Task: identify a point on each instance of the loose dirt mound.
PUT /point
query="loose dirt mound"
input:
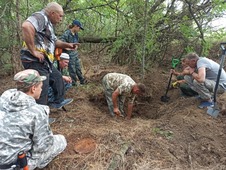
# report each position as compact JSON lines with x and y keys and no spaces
{"x":173,"y":135}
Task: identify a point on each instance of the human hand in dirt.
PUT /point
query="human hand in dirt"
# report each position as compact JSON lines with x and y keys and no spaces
{"x":128,"y":117}
{"x":117,"y":112}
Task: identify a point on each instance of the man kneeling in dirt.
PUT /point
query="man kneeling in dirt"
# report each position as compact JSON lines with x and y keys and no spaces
{"x":24,"y":124}
{"x":116,"y":88}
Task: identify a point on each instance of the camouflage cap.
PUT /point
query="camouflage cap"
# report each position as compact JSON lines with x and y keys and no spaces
{"x":29,"y":77}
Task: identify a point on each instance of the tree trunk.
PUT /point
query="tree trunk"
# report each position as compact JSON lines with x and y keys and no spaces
{"x":16,"y":41}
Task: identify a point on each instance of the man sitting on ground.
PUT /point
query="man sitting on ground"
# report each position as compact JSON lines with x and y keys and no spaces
{"x":116,"y":88}
{"x":24,"y":124}
{"x":61,"y":65}
{"x":56,"y":82}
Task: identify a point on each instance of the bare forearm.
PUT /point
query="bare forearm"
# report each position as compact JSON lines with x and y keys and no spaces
{"x":177,"y":73}
{"x":62,"y":44}
{"x":28,"y":33}
{"x":129,"y":111}
{"x":114,"y":100}
{"x":197,"y":77}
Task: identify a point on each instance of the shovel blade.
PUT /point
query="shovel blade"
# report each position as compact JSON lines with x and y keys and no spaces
{"x":213,"y":111}
{"x":165,"y":98}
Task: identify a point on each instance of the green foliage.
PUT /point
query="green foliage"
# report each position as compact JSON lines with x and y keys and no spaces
{"x":5,"y":65}
{"x":6,"y":69}
{"x":125,"y":20}
{"x":219,"y":7}
{"x":189,"y":49}
{"x":137,"y":33}
{"x":187,"y":31}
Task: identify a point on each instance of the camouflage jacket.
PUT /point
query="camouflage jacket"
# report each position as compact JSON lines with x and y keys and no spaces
{"x":24,"y":126}
{"x":122,"y":82}
{"x":64,"y":71}
{"x":70,"y":38}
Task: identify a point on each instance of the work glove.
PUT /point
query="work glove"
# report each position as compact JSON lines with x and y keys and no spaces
{"x":175,"y":84}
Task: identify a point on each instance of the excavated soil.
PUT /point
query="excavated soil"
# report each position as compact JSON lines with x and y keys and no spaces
{"x":176,"y":135}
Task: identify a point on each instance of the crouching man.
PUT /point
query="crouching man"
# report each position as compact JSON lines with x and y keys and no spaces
{"x":55,"y":86}
{"x":116,"y":88}
{"x":24,"y":124}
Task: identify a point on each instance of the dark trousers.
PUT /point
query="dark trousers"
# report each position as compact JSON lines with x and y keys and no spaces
{"x":43,"y":70}
{"x":51,"y":96}
{"x":56,"y":82}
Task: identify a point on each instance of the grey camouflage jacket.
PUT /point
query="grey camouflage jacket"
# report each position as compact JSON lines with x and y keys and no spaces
{"x":23,"y":126}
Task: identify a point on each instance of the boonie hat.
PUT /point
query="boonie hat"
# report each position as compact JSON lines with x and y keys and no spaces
{"x":78,"y":23}
{"x":64,"y":56}
{"x":29,"y":77}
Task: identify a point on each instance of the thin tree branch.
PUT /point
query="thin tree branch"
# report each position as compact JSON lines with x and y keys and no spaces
{"x":196,"y":21}
{"x":91,"y":7}
{"x":3,"y":12}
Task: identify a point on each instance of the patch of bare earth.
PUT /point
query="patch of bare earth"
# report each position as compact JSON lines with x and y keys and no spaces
{"x":172,"y":135}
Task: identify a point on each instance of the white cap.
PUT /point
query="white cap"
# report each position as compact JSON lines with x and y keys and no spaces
{"x":64,"y":56}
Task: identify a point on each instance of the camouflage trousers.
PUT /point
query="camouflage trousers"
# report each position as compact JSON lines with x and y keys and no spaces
{"x":108,"y":94}
{"x":185,"y":88}
{"x":205,"y":90}
{"x":40,"y":160}
{"x":75,"y":71}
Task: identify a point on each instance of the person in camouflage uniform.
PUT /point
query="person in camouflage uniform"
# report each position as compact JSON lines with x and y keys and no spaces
{"x":55,"y":89}
{"x":24,"y":124}
{"x":74,"y":67}
{"x":181,"y":83}
{"x":116,"y":88}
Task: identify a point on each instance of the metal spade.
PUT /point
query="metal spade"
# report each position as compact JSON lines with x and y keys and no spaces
{"x":214,"y":111}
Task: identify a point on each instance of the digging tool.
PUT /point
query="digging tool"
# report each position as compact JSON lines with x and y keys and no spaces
{"x":214,"y":111}
{"x":166,"y":98}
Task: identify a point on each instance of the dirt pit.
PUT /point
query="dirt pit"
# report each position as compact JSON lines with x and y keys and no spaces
{"x":173,"y":135}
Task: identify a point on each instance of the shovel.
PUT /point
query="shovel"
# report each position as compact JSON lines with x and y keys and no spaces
{"x":166,"y":98}
{"x":214,"y":111}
